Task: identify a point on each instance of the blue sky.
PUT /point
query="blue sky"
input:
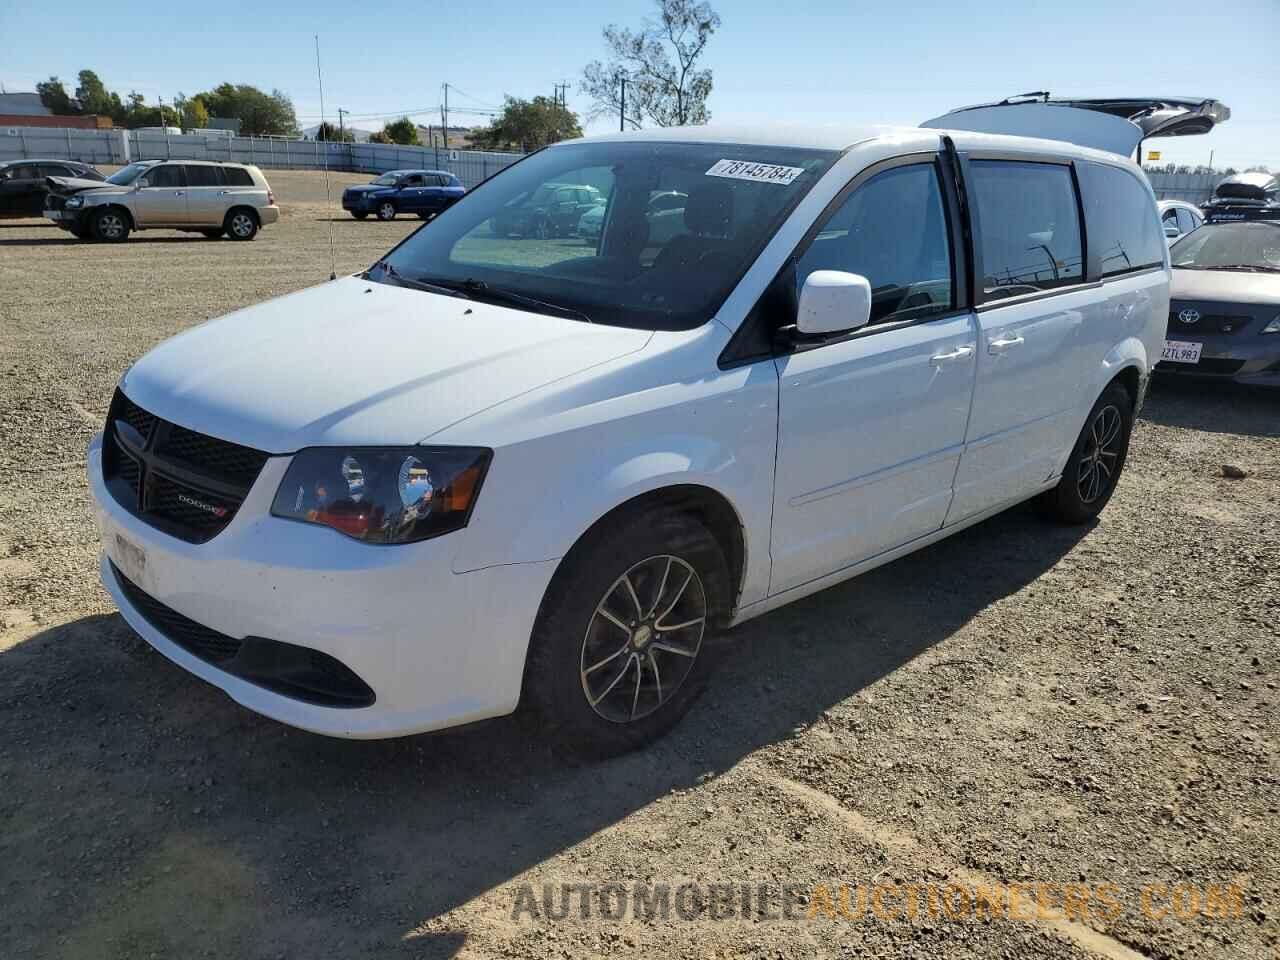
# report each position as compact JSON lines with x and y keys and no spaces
{"x":818,"y":61}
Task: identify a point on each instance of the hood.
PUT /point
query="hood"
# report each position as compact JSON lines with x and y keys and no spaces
{"x":69,"y":185}
{"x":1225,"y":286}
{"x":357,"y":362}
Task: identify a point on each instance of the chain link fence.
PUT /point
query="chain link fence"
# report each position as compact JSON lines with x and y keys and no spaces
{"x":122,"y":146}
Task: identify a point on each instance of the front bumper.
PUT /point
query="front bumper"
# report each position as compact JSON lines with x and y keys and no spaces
{"x":361,"y":203}
{"x":437,"y":648}
{"x":1247,"y":358}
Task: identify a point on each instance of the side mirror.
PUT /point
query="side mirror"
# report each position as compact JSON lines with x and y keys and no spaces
{"x":140,"y":183}
{"x":833,"y":301}
{"x":1171,"y":230}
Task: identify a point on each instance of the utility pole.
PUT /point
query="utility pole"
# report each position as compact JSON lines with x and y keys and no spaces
{"x":622,"y":107}
{"x":444,"y":117}
{"x":342,"y":136}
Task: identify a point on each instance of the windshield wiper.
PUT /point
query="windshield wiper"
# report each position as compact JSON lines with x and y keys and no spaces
{"x":396,"y":277}
{"x":1249,"y":268}
{"x":479,"y":290}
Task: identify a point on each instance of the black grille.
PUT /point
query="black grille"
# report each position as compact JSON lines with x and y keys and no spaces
{"x":1208,"y":323}
{"x":208,"y":645}
{"x":185,"y":483}
{"x":1207,"y":365}
{"x":284,"y":668}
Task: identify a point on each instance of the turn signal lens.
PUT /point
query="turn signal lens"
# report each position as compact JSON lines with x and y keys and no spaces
{"x":383,"y":494}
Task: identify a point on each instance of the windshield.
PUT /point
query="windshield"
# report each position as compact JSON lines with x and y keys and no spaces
{"x":1226,"y":246}
{"x":665,"y":265}
{"x":126,"y":175}
{"x":387,"y":180}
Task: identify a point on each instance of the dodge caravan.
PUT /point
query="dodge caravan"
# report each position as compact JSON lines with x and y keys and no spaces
{"x":493,"y":470}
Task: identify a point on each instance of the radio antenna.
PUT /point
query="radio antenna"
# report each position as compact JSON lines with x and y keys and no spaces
{"x":320,"y":136}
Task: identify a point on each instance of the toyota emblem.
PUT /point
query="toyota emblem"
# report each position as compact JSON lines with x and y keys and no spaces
{"x":1189,"y":316}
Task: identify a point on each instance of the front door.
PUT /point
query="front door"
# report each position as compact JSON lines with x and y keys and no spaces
{"x":1032,"y":307}
{"x":163,"y":201}
{"x":871,"y":426}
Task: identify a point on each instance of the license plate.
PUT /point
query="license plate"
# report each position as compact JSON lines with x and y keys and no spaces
{"x":129,"y":557}
{"x":1181,"y":351}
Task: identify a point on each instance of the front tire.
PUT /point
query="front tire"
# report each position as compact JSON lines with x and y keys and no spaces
{"x":111,"y":226}
{"x":386,"y":210}
{"x":1093,"y":469}
{"x":619,"y":651}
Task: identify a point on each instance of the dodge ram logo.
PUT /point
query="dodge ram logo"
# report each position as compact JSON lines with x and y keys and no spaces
{"x":1189,"y":316}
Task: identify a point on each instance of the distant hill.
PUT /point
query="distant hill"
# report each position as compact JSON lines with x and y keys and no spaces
{"x":362,"y":136}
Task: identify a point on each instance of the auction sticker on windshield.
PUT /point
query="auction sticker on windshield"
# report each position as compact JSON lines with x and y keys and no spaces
{"x":757,"y":172}
{"x":1181,"y":351}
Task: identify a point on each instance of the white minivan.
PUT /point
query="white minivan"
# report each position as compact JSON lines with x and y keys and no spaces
{"x":493,"y":470}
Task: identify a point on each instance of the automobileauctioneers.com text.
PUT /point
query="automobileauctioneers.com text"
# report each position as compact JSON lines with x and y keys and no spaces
{"x":1032,"y":901}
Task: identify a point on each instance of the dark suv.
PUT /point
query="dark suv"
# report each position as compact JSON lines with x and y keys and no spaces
{"x":553,"y":210}
{"x":1245,"y":196}
{"x":23,"y":183}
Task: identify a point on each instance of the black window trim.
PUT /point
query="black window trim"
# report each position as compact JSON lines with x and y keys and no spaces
{"x":735,"y":353}
{"x":1089,"y":277}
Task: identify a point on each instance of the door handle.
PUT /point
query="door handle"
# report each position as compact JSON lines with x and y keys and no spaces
{"x":959,"y":353}
{"x":223,"y":193}
{"x":1005,"y":344}
{"x":177,"y":193}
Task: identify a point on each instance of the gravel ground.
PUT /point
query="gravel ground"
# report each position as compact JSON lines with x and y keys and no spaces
{"x":1019,"y":704}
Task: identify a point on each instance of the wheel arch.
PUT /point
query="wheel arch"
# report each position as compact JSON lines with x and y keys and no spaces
{"x":118,"y":207}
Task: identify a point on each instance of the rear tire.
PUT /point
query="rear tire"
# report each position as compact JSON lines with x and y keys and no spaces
{"x":241,"y":224}
{"x":1093,"y":469}
{"x":386,"y":210}
{"x":619,"y":651}
{"x":111,"y":225}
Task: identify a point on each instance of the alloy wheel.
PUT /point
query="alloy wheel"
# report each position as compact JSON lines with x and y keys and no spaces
{"x":242,"y":225}
{"x":1102,"y":451}
{"x":386,"y":212}
{"x":111,"y":226}
{"x":643,"y":639}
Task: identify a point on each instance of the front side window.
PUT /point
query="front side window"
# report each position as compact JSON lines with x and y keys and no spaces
{"x":1124,"y":235}
{"x":511,"y":236}
{"x":413,"y":180}
{"x":166,"y":175}
{"x":1028,"y":224}
{"x":893,"y":231}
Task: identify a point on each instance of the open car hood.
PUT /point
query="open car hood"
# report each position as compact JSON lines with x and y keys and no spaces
{"x":1114,"y":124}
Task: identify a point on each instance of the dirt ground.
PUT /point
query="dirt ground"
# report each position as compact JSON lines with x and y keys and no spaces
{"x":1020,"y":704}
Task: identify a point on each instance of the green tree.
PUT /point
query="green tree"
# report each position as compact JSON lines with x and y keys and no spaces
{"x":330,"y":132}
{"x":403,"y":131}
{"x":259,"y":113}
{"x":659,"y":62}
{"x":528,"y":125}
{"x":94,"y":96}
{"x":54,"y":96}
{"x":378,"y":136}
{"x":195,"y":115}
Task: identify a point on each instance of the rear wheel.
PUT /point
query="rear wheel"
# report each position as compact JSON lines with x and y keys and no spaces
{"x":1094,"y":467}
{"x":241,"y":224}
{"x":111,"y":225}
{"x":618,"y":654}
{"x":386,"y":210}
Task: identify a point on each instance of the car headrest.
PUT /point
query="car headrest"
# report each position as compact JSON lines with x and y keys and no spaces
{"x":708,"y":212}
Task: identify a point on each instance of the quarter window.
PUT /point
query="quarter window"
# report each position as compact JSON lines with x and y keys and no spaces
{"x":1123,"y":233}
{"x":237,"y":177}
{"x":1028,"y":224}
{"x":893,"y":231}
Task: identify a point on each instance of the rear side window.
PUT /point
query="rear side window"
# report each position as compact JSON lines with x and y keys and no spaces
{"x":1124,"y":231}
{"x":202,"y":176}
{"x":237,"y":177}
{"x":892,"y":230}
{"x":1029,"y":226}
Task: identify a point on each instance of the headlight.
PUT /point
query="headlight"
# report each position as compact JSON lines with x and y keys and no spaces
{"x":1273,"y":326}
{"x":383,"y":494}
{"x":75,"y":201}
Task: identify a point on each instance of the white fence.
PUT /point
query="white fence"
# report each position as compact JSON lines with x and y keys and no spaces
{"x":121,"y":146}
{"x":470,"y":166}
